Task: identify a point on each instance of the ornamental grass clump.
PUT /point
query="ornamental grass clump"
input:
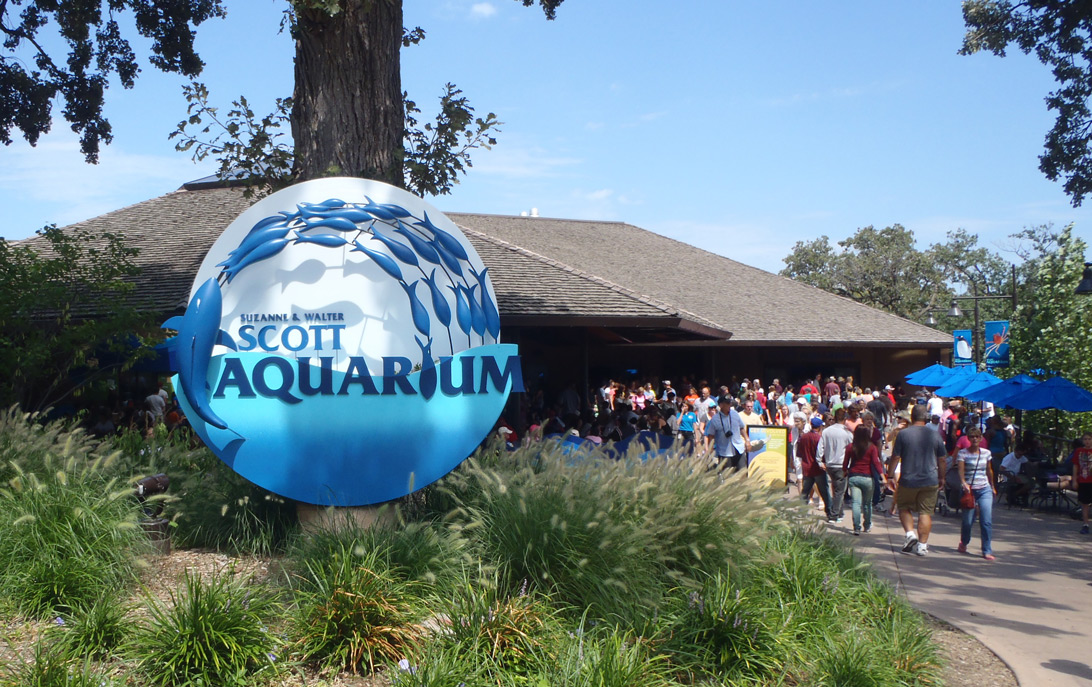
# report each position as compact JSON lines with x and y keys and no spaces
{"x":212,"y":632}
{"x":210,"y":505}
{"x":426,"y":552}
{"x":718,"y":631}
{"x":609,"y":536}
{"x":825,"y":593}
{"x":503,"y":632}
{"x":96,"y":629}
{"x":609,"y":658}
{"x":51,"y":664}
{"x":353,"y":613}
{"x":70,"y":525}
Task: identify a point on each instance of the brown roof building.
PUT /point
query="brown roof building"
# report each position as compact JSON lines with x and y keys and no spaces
{"x":589,"y":300}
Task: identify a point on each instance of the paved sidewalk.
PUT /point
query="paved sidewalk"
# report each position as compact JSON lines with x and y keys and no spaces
{"x":1032,"y":606}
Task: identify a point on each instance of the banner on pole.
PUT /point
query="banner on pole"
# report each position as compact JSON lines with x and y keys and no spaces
{"x":997,"y":344}
{"x":962,"y":348}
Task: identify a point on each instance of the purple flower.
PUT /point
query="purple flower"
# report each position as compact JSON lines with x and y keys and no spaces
{"x":58,"y":621}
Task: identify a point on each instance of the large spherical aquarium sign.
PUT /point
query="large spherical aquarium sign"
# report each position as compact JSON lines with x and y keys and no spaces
{"x":342,"y":345}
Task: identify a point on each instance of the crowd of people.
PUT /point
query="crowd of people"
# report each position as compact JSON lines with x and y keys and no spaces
{"x":845,"y":444}
{"x":141,"y":412}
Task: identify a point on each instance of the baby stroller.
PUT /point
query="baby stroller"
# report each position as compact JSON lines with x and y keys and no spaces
{"x":942,"y":507}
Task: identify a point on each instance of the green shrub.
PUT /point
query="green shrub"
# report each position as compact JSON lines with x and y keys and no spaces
{"x":211,"y":506}
{"x":907,"y":645}
{"x":212,"y":632}
{"x":824,"y":593}
{"x":505,"y":634}
{"x":422,"y":551}
{"x":612,"y":536}
{"x":719,"y":632}
{"x":613,"y":659}
{"x":440,"y":665}
{"x":354,"y":613}
{"x":98,"y":628}
{"x":52,"y":665}
{"x":70,"y":528}
{"x":849,"y":660}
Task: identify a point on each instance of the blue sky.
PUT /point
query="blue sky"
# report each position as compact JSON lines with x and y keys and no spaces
{"x":738,"y":127}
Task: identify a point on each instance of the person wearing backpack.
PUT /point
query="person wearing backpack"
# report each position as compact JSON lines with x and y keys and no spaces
{"x":976,"y":478}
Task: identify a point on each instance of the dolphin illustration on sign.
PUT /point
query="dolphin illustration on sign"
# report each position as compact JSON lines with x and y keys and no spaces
{"x":191,"y":351}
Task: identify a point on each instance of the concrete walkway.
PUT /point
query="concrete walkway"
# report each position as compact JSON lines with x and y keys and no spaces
{"x":1032,"y":606}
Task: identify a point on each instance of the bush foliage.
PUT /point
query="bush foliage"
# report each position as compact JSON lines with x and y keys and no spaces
{"x":529,"y":568}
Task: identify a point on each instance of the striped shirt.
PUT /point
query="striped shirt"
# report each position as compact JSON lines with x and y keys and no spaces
{"x":974,"y":467}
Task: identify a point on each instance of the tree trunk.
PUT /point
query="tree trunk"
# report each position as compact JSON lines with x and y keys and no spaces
{"x":347,"y":112}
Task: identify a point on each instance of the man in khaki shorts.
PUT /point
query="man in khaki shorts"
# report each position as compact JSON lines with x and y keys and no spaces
{"x":921,"y":451}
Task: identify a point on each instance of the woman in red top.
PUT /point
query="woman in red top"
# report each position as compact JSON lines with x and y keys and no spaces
{"x":862,"y":461}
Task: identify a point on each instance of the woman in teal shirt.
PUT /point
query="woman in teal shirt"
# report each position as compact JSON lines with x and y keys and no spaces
{"x":687,"y":421}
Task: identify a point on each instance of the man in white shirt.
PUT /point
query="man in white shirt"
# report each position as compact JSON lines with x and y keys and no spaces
{"x":936,"y":405}
{"x":1020,"y":484}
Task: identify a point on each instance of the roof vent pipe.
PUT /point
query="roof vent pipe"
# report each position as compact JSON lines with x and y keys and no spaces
{"x":534,"y":212}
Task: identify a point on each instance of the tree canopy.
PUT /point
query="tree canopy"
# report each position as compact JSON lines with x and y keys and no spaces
{"x":1048,"y":329}
{"x":1059,"y":33}
{"x":55,"y":334}
{"x":348,"y":114}
{"x":885,"y":269}
{"x":97,"y":52}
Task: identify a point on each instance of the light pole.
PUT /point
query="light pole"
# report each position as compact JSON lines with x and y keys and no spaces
{"x":1085,"y":287}
{"x":954,"y":310}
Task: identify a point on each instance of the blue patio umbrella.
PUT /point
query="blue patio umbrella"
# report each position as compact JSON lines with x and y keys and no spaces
{"x":913,"y":377}
{"x":1057,"y":392}
{"x":961,"y":385}
{"x":997,"y":393}
{"x":943,"y":377}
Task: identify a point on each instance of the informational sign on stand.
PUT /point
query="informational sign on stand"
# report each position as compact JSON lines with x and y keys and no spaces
{"x":342,"y":345}
{"x":768,"y":459}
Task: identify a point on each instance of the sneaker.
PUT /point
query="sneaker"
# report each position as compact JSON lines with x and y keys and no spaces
{"x":868,"y":529}
{"x":989,"y":556}
{"x":1084,"y":530}
{"x":840,"y":519}
{"x":922,"y":549}
{"x":911,"y":542}
{"x":962,"y":548}
{"x":856,"y":531}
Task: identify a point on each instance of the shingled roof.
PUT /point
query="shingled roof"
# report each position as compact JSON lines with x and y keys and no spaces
{"x":551,"y":270}
{"x":758,"y":307}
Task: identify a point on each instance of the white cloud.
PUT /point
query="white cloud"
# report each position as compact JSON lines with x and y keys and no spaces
{"x":52,"y":183}
{"x":514,"y":160}
{"x":483,"y":10}
{"x":601,"y":194}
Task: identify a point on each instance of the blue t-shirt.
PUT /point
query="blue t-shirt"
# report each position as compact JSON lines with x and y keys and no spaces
{"x":687,"y":422}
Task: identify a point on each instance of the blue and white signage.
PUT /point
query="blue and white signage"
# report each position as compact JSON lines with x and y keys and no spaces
{"x":342,"y":345}
{"x":962,"y":348}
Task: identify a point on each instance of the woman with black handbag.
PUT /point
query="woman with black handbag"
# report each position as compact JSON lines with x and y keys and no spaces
{"x":979,"y":487}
